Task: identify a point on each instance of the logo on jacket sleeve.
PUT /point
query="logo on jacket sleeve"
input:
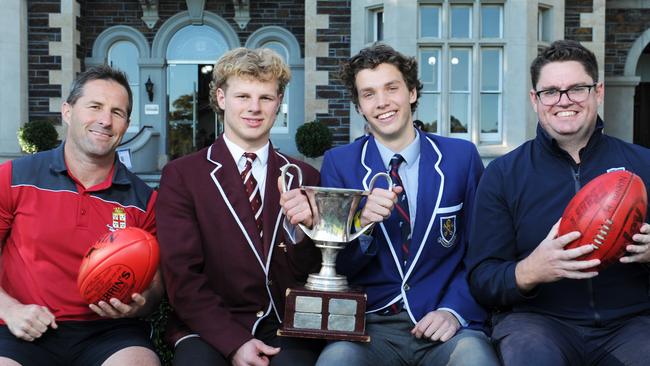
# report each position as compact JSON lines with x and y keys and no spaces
{"x":119,"y":218}
{"x":447,"y":231}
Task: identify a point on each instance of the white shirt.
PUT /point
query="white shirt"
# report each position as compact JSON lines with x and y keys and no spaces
{"x":259,"y":165}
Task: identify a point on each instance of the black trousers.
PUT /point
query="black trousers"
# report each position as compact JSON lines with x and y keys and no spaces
{"x":195,"y":351}
{"x":530,"y":339}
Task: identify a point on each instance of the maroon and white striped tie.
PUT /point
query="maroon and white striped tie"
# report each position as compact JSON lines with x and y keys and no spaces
{"x":252,"y":190}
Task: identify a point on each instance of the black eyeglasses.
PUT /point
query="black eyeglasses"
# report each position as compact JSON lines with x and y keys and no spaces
{"x":576,"y":94}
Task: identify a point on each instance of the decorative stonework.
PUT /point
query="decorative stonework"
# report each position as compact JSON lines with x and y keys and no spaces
{"x":327,"y":43}
{"x":242,"y":13}
{"x":149,"y":12}
{"x":313,"y":50}
{"x":195,"y":8}
{"x":596,"y":22}
{"x":66,"y":49}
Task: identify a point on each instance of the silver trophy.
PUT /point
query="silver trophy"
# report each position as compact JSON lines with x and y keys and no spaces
{"x":328,"y":308}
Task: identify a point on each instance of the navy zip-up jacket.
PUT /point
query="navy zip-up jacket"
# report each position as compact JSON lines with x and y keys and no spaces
{"x":519,"y":198}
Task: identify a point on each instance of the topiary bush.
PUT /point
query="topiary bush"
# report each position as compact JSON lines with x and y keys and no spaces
{"x":37,"y":136}
{"x":313,"y":139}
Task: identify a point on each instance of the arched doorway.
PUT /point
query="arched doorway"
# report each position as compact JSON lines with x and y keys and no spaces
{"x":191,"y":122}
{"x":642,"y":100}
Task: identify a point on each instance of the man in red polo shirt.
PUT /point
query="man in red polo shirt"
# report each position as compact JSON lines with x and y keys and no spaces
{"x":53,"y":206}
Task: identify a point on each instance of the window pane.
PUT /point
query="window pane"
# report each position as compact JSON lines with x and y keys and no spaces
{"x":197,"y":42}
{"x":460,"y":21}
{"x":458,"y":113}
{"x":429,"y":21}
{"x":124,"y":56}
{"x":491,"y":21}
{"x":490,"y":69}
{"x":379,"y":25}
{"x":544,"y":27}
{"x":490,"y":113}
{"x":278,"y":48}
{"x":282,"y":116}
{"x":429,"y":63}
{"x":429,"y":111}
{"x":460,"y":66}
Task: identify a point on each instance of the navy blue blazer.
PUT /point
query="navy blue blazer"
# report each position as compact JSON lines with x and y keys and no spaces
{"x":434,"y":276}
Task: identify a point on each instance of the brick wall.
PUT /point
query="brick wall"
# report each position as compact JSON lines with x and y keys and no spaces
{"x":624,"y":26}
{"x":98,"y":15}
{"x":572,"y":29}
{"x":40,"y":62}
{"x":338,"y":37}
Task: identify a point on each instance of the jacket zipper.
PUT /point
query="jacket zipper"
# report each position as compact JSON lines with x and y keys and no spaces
{"x":590,"y":284}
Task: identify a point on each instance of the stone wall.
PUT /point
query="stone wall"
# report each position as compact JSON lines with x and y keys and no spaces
{"x":40,"y":61}
{"x":624,"y":27}
{"x":337,"y":37}
{"x":572,"y":27}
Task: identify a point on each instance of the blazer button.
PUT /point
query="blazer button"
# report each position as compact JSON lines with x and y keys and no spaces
{"x":260,"y":314}
{"x":406,"y":287}
{"x":269,"y":283}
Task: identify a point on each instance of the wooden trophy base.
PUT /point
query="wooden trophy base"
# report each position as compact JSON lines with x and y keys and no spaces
{"x":331,"y":315}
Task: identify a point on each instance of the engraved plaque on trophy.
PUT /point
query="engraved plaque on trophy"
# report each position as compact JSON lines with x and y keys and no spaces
{"x":326,"y":307}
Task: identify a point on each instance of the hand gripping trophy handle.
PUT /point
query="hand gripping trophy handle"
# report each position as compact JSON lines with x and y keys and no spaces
{"x":333,"y":211}
{"x":310,"y":232}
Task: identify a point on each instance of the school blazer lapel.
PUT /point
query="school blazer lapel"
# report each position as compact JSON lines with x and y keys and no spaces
{"x":231,"y":190}
{"x":272,"y":213}
{"x":431,"y":181}
{"x":372,"y":163}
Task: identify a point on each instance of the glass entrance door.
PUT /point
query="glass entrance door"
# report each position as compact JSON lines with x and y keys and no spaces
{"x":192,"y":123}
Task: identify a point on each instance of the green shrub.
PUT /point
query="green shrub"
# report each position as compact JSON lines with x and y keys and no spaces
{"x":313,"y":139}
{"x":158,"y":321}
{"x":37,"y":136}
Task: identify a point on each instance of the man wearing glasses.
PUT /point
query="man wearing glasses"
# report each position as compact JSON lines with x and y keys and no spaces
{"x":551,"y":308}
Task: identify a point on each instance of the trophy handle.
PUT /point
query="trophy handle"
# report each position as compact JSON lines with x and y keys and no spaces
{"x":372,"y":185}
{"x":284,"y":172}
{"x":285,"y":188}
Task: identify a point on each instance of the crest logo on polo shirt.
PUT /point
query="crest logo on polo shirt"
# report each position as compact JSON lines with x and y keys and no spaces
{"x":119,"y":218}
{"x":447,"y":231}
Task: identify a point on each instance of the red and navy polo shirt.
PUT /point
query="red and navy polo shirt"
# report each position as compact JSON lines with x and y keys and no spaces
{"x":48,"y":221}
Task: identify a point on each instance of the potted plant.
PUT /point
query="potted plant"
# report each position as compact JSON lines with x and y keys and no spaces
{"x":38,"y":135}
{"x":313,"y":139}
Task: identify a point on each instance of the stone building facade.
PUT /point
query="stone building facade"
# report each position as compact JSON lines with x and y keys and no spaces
{"x":474,"y":57}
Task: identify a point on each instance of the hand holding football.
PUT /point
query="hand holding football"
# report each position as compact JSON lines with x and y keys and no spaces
{"x":607,"y":211}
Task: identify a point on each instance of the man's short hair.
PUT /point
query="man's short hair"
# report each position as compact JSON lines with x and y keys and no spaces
{"x":101,"y":72}
{"x":561,"y":51}
{"x":261,"y":64}
{"x":373,"y":56}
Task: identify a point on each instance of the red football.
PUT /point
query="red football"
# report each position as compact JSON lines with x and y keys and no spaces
{"x":607,"y":211}
{"x":119,"y":264}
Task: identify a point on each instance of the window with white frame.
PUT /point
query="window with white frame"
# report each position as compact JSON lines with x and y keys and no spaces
{"x":123,"y":55}
{"x":375,"y":25}
{"x":544,"y":27}
{"x":460,"y":58}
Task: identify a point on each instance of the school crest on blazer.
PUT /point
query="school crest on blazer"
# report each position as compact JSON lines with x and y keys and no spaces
{"x":447,"y":231}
